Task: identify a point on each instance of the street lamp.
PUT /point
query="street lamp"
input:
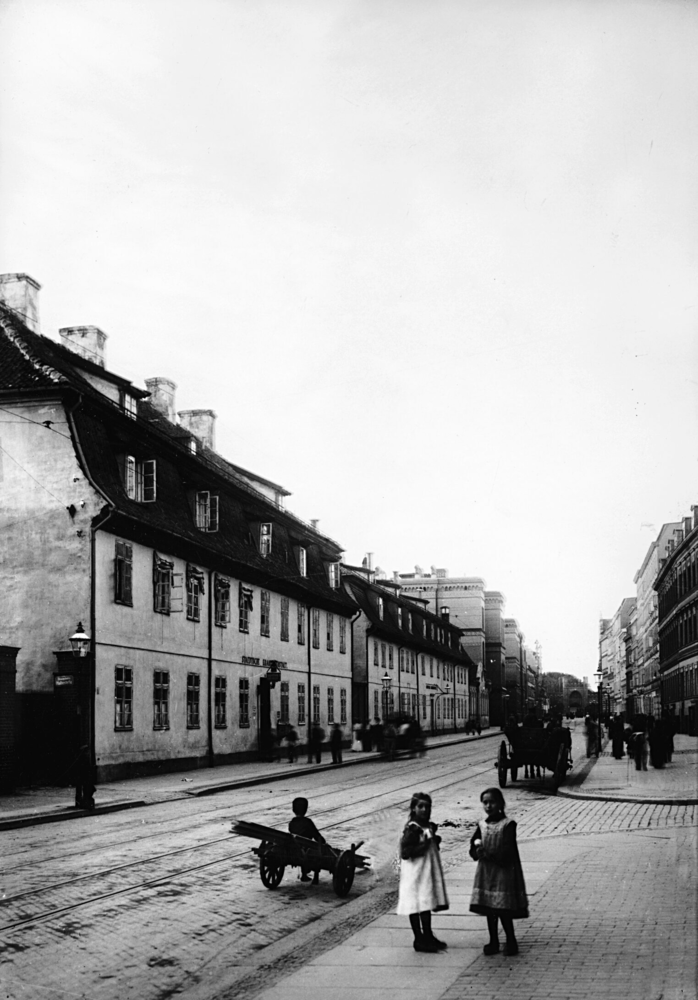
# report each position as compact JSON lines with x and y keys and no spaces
{"x":80,"y":643}
{"x":600,"y":706}
{"x":387,"y":681}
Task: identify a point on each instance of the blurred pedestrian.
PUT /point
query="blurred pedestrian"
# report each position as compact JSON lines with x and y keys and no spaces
{"x":640,"y":744}
{"x":336,"y":743}
{"x":499,"y":889}
{"x":84,"y":777}
{"x":377,"y":735}
{"x":389,"y":740}
{"x":616,"y":731}
{"x":291,"y":744}
{"x":592,"y":737}
{"x":317,"y":736}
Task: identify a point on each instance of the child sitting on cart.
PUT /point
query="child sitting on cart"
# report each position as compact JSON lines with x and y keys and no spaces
{"x":302,"y":826}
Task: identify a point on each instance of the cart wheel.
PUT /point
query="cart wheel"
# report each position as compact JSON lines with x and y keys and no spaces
{"x":502,"y":765}
{"x":560,"y":771}
{"x":514,"y":772}
{"x":343,"y":874}
{"x":271,"y":871}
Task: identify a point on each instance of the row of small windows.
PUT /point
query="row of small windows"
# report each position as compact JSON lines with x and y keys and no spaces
{"x":680,"y":685}
{"x":681,"y":580}
{"x":682,"y":632}
{"x":383,"y":658}
{"x":405,"y":621}
{"x":409,"y":702}
{"x":140,"y":483}
{"x":166,"y":600}
{"x":123,"y":701}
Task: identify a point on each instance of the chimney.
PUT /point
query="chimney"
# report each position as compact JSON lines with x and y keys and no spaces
{"x":445,"y":614}
{"x":21,"y":294}
{"x":162,"y":396}
{"x":314,"y":521}
{"x":694,"y":508}
{"x":87,"y":341}
{"x":687,"y":526}
{"x":200,"y":423}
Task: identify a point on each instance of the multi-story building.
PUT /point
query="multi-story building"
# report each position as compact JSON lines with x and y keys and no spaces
{"x":515,"y":673}
{"x":646,"y":694}
{"x":406,"y":659}
{"x":566,"y":694}
{"x":613,"y":656}
{"x":677,"y":590}
{"x":211,"y":614}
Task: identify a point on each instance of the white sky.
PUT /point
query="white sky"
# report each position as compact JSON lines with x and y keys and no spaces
{"x":432,"y":263}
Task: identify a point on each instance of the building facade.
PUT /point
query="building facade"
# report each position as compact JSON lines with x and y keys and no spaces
{"x":406,"y":659}
{"x":214,"y":616}
{"x":677,"y":591}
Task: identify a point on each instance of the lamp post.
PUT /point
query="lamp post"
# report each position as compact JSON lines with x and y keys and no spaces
{"x":80,"y":643}
{"x":387,"y":685}
{"x":600,"y":707}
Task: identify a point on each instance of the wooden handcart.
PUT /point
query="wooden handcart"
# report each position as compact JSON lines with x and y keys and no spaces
{"x":279,"y":850}
{"x":540,"y":748}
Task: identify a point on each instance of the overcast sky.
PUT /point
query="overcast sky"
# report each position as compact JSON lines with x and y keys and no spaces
{"x":433,"y":264}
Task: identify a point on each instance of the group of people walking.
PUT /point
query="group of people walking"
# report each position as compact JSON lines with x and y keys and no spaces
{"x":644,"y":739}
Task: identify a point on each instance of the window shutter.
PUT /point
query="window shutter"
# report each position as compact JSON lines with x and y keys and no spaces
{"x":130,"y":476}
{"x":202,"y":510}
{"x":213,"y":514}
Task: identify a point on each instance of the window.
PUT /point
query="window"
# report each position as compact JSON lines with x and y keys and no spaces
{"x":383,"y":656}
{"x":423,"y":666}
{"x":302,"y":558}
{"x":334,"y":575}
{"x":301,"y":624}
{"x":123,"y":573}
{"x":123,"y":697}
{"x":206,"y":511}
{"x":343,"y":705}
{"x":376,"y":711}
{"x":193,"y":693}
{"x":128,"y":404}
{"x":316,"y":628}
{"x":220,"y":695}
{"x":284,"y":703}
{"x":221,"y":595}
{"x":330,"y":631}
{"x":265,"y":538}
{"x":161,"y":699}
{"x":381,"y":608}
{"x":140,"y":479}
{"x":162,"y":584}
{"x":301,"y":704}
{"x":265,"y":613}
{"x":390,"y":658}
{"x":431,"y":666}
{"x":316,"y":704}
{"x":409,"y":621}
{"x":284,"y":618}
{"x":330,"y":704}
{"x":244,"y":607}
{"x":195,"y":589}
{"x":375,"y":653}
{"x":399,"y":617}
{"x":424,"y":706}
{"x":401,"y":658}
{"x":244,"y":703}
{"x":342,"y":635}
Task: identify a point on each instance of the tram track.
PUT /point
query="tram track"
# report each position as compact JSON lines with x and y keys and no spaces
{"x":396,"y":799}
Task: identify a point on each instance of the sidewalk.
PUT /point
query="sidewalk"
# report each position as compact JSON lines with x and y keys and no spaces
{"x":606,"y":778}
{"x":32,"y":806}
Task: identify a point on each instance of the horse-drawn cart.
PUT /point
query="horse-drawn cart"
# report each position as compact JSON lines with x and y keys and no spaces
{"x":540,"y":748}
{"x":279,"y":850}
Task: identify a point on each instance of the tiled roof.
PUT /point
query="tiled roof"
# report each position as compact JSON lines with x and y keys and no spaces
{"x":29,"y":361}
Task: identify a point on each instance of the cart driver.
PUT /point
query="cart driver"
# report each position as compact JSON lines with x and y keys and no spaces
{"x":302,"y":826}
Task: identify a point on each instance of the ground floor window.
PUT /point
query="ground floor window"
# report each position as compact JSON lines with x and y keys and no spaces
{"x":220,"y":702}
{"x":342,"y":705}
{"x":284,"y":703}
{"x":301,"y":704}
{"x":316,"y":704}
{"x":376,"y":708}
{"x":123,"y":697}
{"x":161,"y":699}
{"x":193,"y":701}
{"x":244,"y":703}
{"x":330,"y":705}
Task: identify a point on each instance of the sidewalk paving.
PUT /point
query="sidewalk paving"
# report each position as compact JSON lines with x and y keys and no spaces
{"x":33,"y":806}
{"x":597,"y":778}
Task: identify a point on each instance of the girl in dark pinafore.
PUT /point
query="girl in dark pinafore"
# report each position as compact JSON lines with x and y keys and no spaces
{"x":499,"y":890}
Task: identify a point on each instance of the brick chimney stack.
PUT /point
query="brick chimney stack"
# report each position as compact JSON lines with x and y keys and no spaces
{"x":21,"y":294}
{"x":87,"y":341}
{"x":162,"y":396}
{"x":200,"y":423}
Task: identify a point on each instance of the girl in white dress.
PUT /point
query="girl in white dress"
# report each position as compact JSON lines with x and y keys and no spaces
{"x":422,"y":887}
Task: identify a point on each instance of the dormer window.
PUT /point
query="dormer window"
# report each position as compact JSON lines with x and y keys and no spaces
{"x":399,"y":617}
{"x":192,"y":445}
{"x":334,"y":575}
{"x":302,"y":560}
{"x":140,"y":479}
{"x":409,"y":621}
{"x":265,"y":538}
{"x":206,"y":511}
{"x":381,"y":608}
{"x":128,"y":404}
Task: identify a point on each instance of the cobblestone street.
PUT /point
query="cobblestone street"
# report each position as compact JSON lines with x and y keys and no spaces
{"x":163,"y":902}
